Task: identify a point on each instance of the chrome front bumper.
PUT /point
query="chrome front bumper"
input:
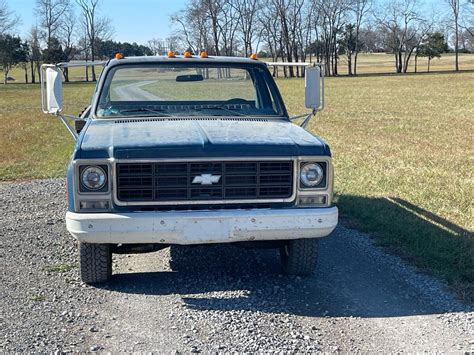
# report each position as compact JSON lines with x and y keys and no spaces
{"x":202,"y":227}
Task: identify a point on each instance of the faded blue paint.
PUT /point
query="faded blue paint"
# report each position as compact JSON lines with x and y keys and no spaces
{"x":107,"y":138}
{"x":70,"y":187}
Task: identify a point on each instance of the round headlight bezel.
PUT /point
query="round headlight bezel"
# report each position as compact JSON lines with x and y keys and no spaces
{"x":307,"y":183}
{"x":102,"y":178}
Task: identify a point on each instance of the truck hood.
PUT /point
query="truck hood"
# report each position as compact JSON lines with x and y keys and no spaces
{"x":149,"y":138}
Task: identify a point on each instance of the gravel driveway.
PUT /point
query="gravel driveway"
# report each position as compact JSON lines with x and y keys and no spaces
{"x":229,"y":299}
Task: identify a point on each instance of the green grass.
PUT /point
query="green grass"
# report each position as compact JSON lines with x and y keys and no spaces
{"x":403,"y":154}
{"x":402,"y":148}
{"x":38,"y":298}
{"x":34,"y":145}
{"x":221,"y":90}
{"x":61,"y":268}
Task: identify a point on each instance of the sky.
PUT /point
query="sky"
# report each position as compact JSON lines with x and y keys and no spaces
{"x":137,"y":20}
{"x":133,"y":20}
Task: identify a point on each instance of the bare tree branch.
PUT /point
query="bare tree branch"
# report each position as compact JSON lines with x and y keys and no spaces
{"x":8,"y":19}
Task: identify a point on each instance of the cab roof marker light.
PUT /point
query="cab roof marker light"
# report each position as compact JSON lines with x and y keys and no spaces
{"x":171,"y":54}
{"x":203,"y":54}
{"x":253,"y":56}
{"x":118,"y":56}
{"x":187,"y":55}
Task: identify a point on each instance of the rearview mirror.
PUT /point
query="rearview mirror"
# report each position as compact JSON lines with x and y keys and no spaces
{"x":51,"y":90}
{"x":313,"y":88}
{"x":189,"y":77}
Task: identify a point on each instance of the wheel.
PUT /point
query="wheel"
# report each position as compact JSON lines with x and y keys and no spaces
{"x":95,"y":262}
{"x":299,"y":256}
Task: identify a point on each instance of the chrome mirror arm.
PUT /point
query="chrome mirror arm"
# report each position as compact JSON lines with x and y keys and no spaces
{"x":65,"y":119}
{"x":307,"y":116}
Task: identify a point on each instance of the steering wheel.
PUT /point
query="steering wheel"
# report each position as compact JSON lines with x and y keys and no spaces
{"x":236,"y":101}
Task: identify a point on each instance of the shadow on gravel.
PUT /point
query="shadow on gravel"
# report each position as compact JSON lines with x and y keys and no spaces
{"x":429,"y":241}
{"x":349,"y":281}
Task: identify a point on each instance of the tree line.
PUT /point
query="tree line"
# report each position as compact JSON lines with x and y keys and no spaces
{"x":66,"y":30}
{"x":325,"y":30}
{"x":283,"y":30}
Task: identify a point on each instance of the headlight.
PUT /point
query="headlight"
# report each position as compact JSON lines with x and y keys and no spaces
{"x":93,"y":178}
{"x":311,"y":174}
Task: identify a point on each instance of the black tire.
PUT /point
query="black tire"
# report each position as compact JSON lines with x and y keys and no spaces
{"x":96,"y":262}
{"x":299,"y":256}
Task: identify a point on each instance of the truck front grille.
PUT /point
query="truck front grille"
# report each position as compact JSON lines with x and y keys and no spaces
{"x":191,"y":181}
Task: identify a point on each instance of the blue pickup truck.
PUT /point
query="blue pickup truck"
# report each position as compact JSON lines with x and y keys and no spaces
{"x":191,"y":150}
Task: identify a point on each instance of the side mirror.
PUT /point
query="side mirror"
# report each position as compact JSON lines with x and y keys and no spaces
{"x":313,"y":88}
{"x":51,"y":90}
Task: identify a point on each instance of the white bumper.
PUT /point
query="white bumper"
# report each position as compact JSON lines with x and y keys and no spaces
{"x":201,"y":227}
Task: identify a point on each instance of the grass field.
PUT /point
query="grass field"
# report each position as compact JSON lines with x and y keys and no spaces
{"x":367,"y":64}
{"x":402,"y":146}
{"x":385,"y":63}
{"x":403,"y":152}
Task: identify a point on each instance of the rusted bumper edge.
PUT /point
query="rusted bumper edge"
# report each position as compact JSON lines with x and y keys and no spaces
{"x":202,"y":227}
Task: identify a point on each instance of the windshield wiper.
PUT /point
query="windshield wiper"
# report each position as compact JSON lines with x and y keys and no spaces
{"x":223,"y":108}
{"x":143,"y":109}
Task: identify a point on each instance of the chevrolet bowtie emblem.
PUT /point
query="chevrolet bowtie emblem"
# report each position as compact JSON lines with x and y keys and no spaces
{"x":206,"y":179}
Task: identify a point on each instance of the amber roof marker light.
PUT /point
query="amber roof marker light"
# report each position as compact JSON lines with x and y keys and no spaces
{"x":203,"y":54}
{"x":253,"y":56}
{"x":171,"y":54}
{"x":187,"y":54}
{"x":118,"y":56}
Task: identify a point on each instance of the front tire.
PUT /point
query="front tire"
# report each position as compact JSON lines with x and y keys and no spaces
{"x":299,"y":256}
{"x":95,"y":262}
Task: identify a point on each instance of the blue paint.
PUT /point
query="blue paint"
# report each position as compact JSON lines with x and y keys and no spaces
{"x":196,"y":138}
{"x":70,"y":188}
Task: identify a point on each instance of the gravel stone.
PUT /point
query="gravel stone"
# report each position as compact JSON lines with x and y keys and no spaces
{"x":227,"y":299}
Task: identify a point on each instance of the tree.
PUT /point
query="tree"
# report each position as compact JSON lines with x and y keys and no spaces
{"x":349,"y":45}
{"x":108,"y":49}
{"x":454,"y":6}
{"x":360,"y":9}
{"x":55,"y":53}
{"x":247,"y":11}
{"x":96,"y":28}
{"x":402,"y":27}
{"x":12,"y":52}
{"x":213,"y":9}
{"x":433,"y":47}
{"x":51,"y":16}
{"x":289,"y":14}
{"x":67,"y":39}
{"x":194,"y":27}
{"x":468,"y":18}
{"x":34,"y":55}
{"x":157,"y":46}
{"x":333,"y":14}
{"x":8,"y":19}
{"x":24,"y":63}
{"x":270,"y":31}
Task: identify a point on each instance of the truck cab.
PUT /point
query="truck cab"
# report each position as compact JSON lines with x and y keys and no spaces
{"x":191,"y":150}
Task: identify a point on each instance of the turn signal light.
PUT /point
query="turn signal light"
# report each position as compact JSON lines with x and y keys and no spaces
{"x":319,"y":200}
{"x":203,"y":54}
{"x":187,"y":54}
{"x":118,"y":56}
{"x":171,"y":54}
{"x":94,"y":205}
{"x":253,"y":56}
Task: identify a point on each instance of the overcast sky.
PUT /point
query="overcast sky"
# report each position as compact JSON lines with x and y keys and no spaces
{"x":133,"y":20}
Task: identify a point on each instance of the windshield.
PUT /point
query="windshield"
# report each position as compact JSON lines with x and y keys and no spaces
{"x":188,"y":90}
